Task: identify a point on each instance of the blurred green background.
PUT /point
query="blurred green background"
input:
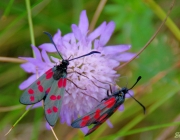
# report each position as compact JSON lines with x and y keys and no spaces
{"x":136,"y":21}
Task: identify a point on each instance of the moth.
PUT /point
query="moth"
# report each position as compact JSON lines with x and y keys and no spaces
{"x":104,"y":110}
{"x":50,"y":87}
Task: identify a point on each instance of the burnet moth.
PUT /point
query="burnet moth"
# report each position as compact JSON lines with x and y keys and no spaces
{"x":50,"y":87}
{"x":104,"y":110}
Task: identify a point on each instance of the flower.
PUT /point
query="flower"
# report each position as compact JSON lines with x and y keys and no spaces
{"x":97,"y":70}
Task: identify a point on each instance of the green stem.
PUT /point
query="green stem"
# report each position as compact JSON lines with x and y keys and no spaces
{"x":161,"y":14}
{"x":19,"y":119}
{"x":30,"y":23}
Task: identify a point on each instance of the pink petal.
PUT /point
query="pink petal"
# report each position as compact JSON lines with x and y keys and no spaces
{"x":83,"y":23}
{"x":57,"y":37}
{"x":109,"y":123}
{"x":85,"y":130}
{"x":97,"y":32}
{"x":48,"y":126}
{"x":27,"y":82}
{"x":45,"y":57}
{"x":76,"y":31}
{"x":34,"y":106}
{"x":131,"y":92}
{"x":67,"y":37}
{"x":125,"y":57}
{"x":49,"y":47}
{"x":105,"y":36}
{"x":37,"y":53}
{"x":56,"y":60}
{"x":121,"y":108}
{"x":28,"y":67}
{"x":34,"y":61}
{"x":115,"y":49}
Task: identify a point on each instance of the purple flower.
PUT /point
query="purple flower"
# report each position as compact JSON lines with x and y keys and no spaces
{"x":96,"y":68}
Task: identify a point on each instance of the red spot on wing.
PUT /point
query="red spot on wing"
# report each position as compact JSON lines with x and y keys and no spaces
{"x":86,"y":118}
{"x":53,"y":97}
{"x":58,"y":97}
{"x":97,"y":114}
{"x":49,"y":75}
{"x":49,"y":111}
{"x":31,"y":98}
{"x":38,"y":83}
{"x":103,"y":117}
{"x":64,"y":82}
{"x":60,"y":82}
{"x":40,"y":88}
{"x":110,"y":102}
{"x":49,"y":71}
{"x":47,"y":91}
{"x":84,"y":121}
{"x":31,"y":91}
{"x":55,"y":109}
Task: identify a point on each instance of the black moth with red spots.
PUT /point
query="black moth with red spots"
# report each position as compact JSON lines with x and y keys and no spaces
{"x":50,"y":87}
{"x":104,"y":110}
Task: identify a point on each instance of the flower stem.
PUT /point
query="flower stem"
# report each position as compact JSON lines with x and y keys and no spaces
{"x":19,"y":120}
{"x":10,"y":108}
{"x":97,"y":14}
{"x":10,"y":59}
{"x":161,"y":14}
{"x":150,"y":40}
{"x":30,"y":23}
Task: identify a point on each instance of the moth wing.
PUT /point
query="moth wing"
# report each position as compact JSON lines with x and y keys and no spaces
{"x":102,"y":119}
{"x":96,"y":115}
{"x":53,"y":101}
{"x":37,"y":90}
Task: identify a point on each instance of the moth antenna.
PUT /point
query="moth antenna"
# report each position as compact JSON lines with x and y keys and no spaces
{"x":50,"y":37}
{"x":85,"y":55}
{"x":139,"y":78}
{"x":144,"y":109}
{"x":136,"y":82}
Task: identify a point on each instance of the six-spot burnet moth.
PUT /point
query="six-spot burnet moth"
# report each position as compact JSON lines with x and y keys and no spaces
{"x":104,"y":110}
{"x":50,"y":87}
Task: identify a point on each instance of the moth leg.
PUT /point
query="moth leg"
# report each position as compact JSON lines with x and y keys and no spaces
{"x":90,"y":96}
{"x":90,"y":80}
{"x":76,"y":85}
{"x":107,"y":96}
{"x":68,"y":92}
{"x":104,"y":83}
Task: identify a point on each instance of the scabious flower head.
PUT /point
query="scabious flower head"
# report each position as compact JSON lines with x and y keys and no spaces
{"x":96,"y":69}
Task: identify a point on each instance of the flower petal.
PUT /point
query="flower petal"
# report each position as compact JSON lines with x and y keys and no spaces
{"x":55,"y":59}
{"x":109,"y":123}
{"x":28,"y":67}
{"x":97,"y":32}
{"x":27,"y":82}
{"x":85,"y":130}
{"x":48,"y":126}
{"x":57,"y":37}
{"x":76,"y":31}
{"x":83,"y":23}
{"x":45,"y":56}
{"x":34,"y":106}
{"x":121,"y":108}
{"x":105,"y":36}
{"x":125,"y":57}
{"x":34,"y":61}
{"x":37,"y":53}
{"x":131,"y":92}
{"x":115,"y":49}
{"x":49,"y":47}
